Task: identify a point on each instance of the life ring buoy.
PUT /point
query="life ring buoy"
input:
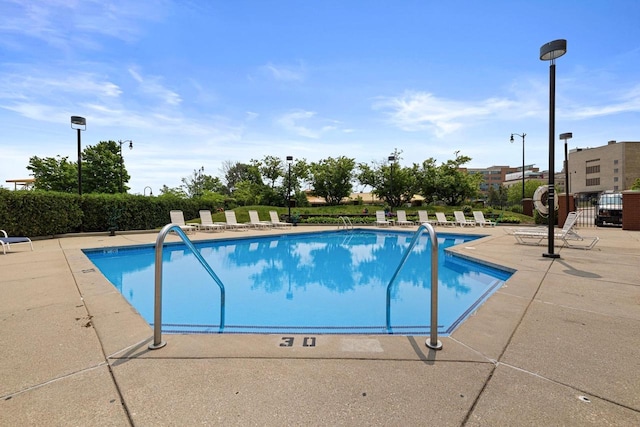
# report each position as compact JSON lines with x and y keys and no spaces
{"x":540,"y":198}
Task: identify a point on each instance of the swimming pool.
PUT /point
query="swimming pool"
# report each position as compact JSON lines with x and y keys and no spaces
{"x":324,"y":282}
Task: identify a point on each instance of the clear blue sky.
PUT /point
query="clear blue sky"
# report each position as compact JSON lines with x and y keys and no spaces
{"x":196,"y":83}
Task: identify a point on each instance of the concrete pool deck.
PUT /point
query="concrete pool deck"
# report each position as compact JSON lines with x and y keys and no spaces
{"x":558,"y":344}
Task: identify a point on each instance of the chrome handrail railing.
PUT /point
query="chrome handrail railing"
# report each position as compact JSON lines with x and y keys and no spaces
{"x":346,"y":219}
{"x":432,"y":342}
{"x":157,"y":316}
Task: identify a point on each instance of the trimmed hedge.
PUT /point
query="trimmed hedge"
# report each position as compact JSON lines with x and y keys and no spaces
{"x":47,"y":213}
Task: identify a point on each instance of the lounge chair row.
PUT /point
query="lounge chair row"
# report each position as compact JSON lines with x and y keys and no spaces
{"x":441,"y":219}
{"x":207,"y":223}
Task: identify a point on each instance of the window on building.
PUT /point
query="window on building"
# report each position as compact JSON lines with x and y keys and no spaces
{"x":615,"y":162}
{"x":593,"y":169}
{"x":615,"y":179}
{"x":615,"y":170}
{"x":593,"y":181}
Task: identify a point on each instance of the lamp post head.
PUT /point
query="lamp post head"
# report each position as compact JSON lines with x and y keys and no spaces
{"x":565,"y":136}
{"x":130,"y":145}
{"x":511,"y":140}
{"x":552,"y":50}
{"x":78,"y":122}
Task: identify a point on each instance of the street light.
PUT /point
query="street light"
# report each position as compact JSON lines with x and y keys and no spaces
{"x":79,"y":123}
{"x":565,"y":136}
{"x":122,"y":160}
{"x":144,"y":192}
{"x":392,"y":159}
{"x":549,"y":52}
{"x":289,"y":160}
{"x":522,"y":136}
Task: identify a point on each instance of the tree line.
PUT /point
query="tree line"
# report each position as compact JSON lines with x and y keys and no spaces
{"x":272,"y":180}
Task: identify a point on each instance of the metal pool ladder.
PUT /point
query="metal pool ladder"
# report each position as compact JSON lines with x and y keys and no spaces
{"x":346,"y":221}
{"x":157,"y":316}
{"x":432,"y":342}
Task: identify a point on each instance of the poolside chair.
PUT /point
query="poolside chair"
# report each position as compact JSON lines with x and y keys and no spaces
{"x":207,"y":224}
{"x":479,"y":217}
{"x":7,"y":241}
{"x":177,"y":217}
{"x":254,"y":220}
{"x":568,"y":235}
{"x":442,"y":220}
{"x":402,"y":219}
{"x":381,"y":221}
{"x":462,"y":221}
{"x":275,"y":221}
{"x":423,"y":218}
{"x":233,"y":223}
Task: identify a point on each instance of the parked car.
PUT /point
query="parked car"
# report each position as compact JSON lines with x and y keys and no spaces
{"x":609,"y":209}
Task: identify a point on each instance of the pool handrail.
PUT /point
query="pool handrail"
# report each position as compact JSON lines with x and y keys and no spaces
{"x":345,"y":220}
{"x":157,"y":315}
{"x":432,"y":342}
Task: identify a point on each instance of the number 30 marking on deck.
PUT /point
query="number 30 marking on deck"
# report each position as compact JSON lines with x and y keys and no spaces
{"x":306,"y":342}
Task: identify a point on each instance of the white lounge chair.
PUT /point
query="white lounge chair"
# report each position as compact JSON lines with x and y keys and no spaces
{"x":567,"y":235}
{"x":275,"y":221}
{"x":207,"y":224}
{"x":481,"y":221}
{"x":177,"y":217}
{"x":402,"y":219}
{"x":423,"y":218}
{"x":381,"y":221}
{"x":254,"y":220}
{"x":442,"y":220}
{"x":233,"y":223}
{"x":462,"y":221}
{"x":7,"y":241}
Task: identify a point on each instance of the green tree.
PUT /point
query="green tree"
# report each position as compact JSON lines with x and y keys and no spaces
{"x":455,"y":185}
{"x":636,"y":184}
{"x":497,"y":197}
{"x":237,"y":172}
{"x":271,"y":168}
{"x":54,"y":174}
{"x":331,"y":178}
{"x":103,"y":169}
{"x":427,"y":180}
{"x":389,"y":181}
{"x":246,"y":193}
{"x":175,"y":192}
{"x":199,"y":182}
{"x":514,"y":192}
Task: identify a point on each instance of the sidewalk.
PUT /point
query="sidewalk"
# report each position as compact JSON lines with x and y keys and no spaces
{"x":558,"y":344}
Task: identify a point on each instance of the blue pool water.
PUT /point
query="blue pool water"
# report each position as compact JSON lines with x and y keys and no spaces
{"x":328,"y":282}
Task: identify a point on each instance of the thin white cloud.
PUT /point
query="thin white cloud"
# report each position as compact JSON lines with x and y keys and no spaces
{"x":285,"y":73}
{"x":628,"y":102}
{"x":290,"y":123}
{"x":152,"y":86}
{"x":419,"y":111}
{"x":69,"y":24}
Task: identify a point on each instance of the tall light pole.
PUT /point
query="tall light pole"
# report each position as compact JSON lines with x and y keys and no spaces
{"x":522,"y":136}
{"x":392,"y":159}
{"x":549,"y":52}
{"x":122,"y":160}
{"x":144,"y":192}
{"x":565,"y":136}
{"x":289,"y":161}
{"x":79,"y":123}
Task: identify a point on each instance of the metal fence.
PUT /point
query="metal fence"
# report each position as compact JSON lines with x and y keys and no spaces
{"x":599,"y":210}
